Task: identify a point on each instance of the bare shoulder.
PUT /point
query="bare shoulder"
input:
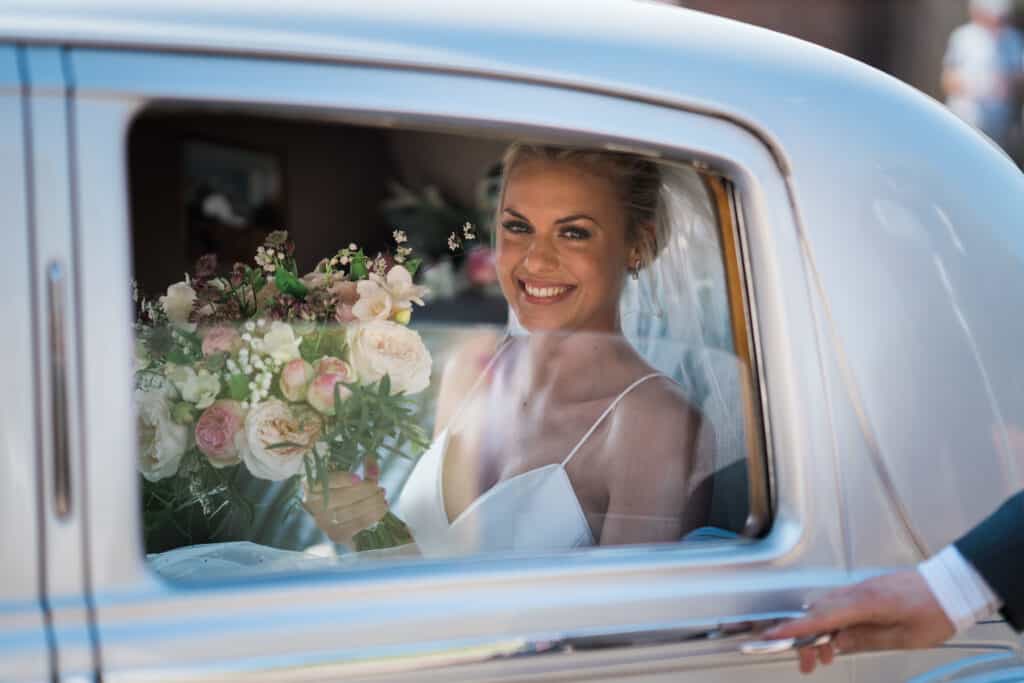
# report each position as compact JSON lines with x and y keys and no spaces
{"x":657,"y":414}
{"x":464,"y":362}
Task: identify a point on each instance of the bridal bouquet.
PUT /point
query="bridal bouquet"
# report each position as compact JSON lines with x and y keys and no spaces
{"x":289,"y":377}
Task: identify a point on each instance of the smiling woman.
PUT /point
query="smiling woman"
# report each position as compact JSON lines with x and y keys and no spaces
{"x":551,"y":462}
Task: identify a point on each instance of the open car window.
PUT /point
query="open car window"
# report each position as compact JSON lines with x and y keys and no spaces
{"x":363,"y":345}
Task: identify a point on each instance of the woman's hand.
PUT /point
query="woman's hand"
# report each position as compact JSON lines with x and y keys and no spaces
{"x":353,"y":504}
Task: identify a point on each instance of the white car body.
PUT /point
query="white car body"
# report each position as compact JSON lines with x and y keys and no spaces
{"x":884,"y":245}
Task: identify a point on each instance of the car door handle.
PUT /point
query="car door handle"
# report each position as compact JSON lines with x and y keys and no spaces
{"x":772,"y":647}
{"x":56,"y":282}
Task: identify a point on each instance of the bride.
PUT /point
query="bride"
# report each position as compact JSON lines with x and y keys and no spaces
{"x":561,"y":434}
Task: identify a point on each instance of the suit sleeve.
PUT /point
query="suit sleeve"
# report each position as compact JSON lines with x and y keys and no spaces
{"x":996,"y":549}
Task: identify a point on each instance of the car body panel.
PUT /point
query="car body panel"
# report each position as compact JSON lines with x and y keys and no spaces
{"x":24,"y":645}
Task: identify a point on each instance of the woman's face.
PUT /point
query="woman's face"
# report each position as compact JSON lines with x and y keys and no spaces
{"x":562,"y":247}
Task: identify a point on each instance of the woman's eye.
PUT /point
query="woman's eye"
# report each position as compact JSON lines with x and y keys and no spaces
{"x":574,"y":233}
{"x":518,"y":227}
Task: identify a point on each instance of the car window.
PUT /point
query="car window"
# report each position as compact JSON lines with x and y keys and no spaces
{"x":356,"y":344}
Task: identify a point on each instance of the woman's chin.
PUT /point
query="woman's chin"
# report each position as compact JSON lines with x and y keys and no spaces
{"x":540,"y":325}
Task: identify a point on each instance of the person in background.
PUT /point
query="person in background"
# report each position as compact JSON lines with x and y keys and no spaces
{"x":983,"y":70}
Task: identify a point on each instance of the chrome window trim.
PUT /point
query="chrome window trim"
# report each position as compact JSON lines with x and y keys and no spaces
{"x":112,"y":90}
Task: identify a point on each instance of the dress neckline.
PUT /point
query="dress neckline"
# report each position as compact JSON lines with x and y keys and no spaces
{"x":443,"y":436}
{"x":499,"y":485}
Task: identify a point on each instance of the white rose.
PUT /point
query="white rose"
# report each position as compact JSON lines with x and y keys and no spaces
{"x":162,"y":442}
{"x":374,"y":301}
{"x":381,"y":347}
{"x":177,"y":304}
{"x":275,"y":422}
{"x":280,"y":342}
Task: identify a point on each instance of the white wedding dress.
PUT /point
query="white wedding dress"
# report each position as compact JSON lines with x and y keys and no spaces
{"x":534,"y":511}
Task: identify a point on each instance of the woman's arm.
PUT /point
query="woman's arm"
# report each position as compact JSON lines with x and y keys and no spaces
{"x":661,"y":451}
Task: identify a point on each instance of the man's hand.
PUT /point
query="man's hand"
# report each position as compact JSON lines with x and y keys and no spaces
{"x":894,"y":611}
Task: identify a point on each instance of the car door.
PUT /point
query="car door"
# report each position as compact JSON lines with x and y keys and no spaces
{"x":618,"y":613}
{"x":25,"y":637}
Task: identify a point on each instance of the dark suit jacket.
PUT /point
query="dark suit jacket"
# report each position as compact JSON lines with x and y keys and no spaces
{"x":996,"y":549}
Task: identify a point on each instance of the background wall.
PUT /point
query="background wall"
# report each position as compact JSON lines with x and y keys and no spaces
{"x":905,"y":38}
{"x":335,"y":179}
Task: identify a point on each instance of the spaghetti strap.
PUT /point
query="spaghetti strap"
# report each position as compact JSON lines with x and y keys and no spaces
{"x":607,"y":412}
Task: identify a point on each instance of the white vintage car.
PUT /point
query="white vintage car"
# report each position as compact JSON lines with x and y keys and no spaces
{"x":871,"y":256}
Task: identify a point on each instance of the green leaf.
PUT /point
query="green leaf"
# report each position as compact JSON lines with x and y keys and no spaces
{"x":238,"y":387}
{"x":385,"y":385}
{"x":358,"y":269}
{"x":178,"y":356}
{"x":412,"y":265}
{"x":289,"y":284}
{"x":215,"y":362}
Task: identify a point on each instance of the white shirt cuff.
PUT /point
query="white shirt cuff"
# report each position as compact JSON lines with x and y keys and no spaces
{"x":959,"y":589}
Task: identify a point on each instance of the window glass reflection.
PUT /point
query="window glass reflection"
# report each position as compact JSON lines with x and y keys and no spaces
{"x":298,"y":416}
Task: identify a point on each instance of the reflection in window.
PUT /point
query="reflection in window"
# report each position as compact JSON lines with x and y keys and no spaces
{"x":579,"y":384}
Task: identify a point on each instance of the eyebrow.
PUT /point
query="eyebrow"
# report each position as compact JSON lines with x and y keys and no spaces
{"x":566,"y":219}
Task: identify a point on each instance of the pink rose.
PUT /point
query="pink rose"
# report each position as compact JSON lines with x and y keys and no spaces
{"x":221,"y":339}
{"x":321,"y":392}
{"x":219,"y":433}
{"x":295,"y":378}
{"x":336,"y":366}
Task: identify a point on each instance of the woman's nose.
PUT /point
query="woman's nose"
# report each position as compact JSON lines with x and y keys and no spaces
{"x":541,"y":255}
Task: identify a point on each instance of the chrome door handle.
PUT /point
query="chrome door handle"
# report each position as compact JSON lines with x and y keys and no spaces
{"x":771,"y":647}
{"x":55,"y":286}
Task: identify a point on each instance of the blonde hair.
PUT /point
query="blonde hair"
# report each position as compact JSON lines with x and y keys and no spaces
{"x":637,"y":179}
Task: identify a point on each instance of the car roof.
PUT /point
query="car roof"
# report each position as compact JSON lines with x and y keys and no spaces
{"x":624,"y":46}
